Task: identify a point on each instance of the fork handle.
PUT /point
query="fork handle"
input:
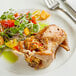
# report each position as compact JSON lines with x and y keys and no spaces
{"x":68,"y":14}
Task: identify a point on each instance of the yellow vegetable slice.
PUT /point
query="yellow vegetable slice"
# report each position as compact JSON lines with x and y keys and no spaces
{"x":36,"y":13}
{"x":12,"y":43}
{"x":44,"y":15}
{"x":26,"y":31}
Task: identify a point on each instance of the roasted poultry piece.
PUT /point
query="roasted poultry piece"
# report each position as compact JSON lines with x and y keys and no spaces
{"x":42,"y":47}
{"x":20,"y":32}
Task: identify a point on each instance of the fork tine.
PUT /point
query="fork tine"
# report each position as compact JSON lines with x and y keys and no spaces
{"x":47,"y":3}
{"x":52,"y":1}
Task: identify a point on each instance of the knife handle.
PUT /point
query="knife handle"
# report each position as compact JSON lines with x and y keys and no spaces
{"x":69,"y":6}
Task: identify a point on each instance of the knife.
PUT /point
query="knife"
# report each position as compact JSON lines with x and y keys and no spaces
{"x":66,"y":3}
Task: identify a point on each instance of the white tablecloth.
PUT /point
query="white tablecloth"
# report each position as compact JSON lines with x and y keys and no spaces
{"x":68,"y":69}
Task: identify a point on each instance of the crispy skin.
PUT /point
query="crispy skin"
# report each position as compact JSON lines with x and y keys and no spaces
{"x":65,"y":45}
{"x":51,"y":37}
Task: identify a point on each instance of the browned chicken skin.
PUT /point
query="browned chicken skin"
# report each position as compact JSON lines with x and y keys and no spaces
{"x":50,"y":38}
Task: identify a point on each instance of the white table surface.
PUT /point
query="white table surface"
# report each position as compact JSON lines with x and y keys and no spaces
{"x":68,"y":69}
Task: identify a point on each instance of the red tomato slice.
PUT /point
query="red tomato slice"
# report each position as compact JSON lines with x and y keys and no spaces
{"x":7,"y":23}
{"x":16,"y":14}
{"x":16,"y":48}
{"x":4,"y":23}
{"x":33,"y":20}
{"x":27,"y":12}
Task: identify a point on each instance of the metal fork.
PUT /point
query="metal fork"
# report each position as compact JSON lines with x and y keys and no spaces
{"x":55,"y":5}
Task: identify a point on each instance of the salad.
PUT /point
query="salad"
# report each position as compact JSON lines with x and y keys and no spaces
{"x":16,"y":27}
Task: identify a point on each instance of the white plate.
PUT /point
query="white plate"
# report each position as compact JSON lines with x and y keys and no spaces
{"x":21,"y":67}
